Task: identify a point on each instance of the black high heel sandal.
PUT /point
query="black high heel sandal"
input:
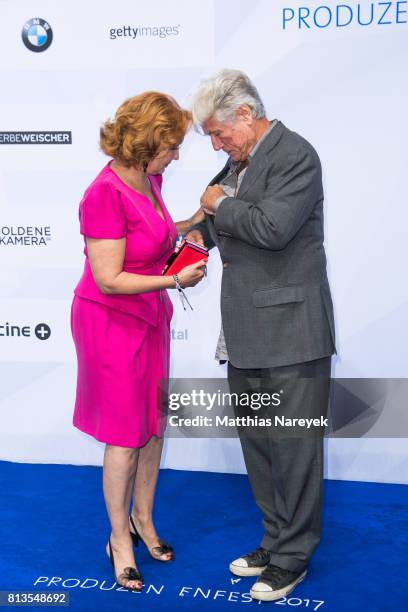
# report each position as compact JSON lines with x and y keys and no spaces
{"x":157,"y":551}
{"x":129,"y":573}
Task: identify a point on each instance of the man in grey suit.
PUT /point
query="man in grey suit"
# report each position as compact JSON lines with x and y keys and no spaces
{"x":264,"y":212}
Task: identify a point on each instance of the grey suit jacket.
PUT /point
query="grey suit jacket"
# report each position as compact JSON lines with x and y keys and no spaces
{"x":276,"y":305}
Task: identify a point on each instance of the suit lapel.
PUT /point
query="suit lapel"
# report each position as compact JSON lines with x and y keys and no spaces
{"x":220,"y":175}
{"x":210,"y":218}
{"x":259,"y":161}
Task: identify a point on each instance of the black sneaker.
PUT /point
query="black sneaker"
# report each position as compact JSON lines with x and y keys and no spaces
{"x":275,"y":583}
{"x":252,"y":564}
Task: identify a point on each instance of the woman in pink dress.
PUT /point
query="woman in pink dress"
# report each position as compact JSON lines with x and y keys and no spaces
{"x":121,"y":316}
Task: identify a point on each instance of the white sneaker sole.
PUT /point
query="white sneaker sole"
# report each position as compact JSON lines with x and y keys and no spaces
{"x":237,"y":570}
{"x":273,"y":595}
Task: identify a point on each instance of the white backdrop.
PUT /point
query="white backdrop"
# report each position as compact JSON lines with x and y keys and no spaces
{"x":334,"y":72}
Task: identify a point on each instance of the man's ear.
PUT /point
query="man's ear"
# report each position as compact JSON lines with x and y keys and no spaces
{"x":244,"y":113}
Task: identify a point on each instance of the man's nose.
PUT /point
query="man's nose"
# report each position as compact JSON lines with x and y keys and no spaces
{"x":216,"y":142}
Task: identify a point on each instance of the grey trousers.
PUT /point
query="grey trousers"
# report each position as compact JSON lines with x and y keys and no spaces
{"x":286,"y":470}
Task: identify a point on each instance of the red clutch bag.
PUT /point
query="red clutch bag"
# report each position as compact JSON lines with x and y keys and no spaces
{"x":190,"y":252}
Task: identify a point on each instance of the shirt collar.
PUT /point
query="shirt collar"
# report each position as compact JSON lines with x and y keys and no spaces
{"x":233,"y":165}
{"x":260,"y":141}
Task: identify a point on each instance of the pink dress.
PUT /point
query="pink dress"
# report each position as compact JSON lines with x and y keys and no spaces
{"x":123,"y":341}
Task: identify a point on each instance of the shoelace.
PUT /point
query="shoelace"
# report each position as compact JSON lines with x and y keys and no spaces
{"x":258,"y":554}
{"x":274,"y":575}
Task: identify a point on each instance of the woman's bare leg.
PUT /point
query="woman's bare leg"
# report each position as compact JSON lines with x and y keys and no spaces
{"x":119,"y":469}
{"x":144,"y":491}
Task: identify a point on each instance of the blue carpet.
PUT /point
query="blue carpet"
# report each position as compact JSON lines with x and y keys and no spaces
{"x":54,"y":530}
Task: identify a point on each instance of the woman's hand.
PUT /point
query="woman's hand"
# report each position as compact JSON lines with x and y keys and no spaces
{"x":197,"y":217}
{"x":184,"y":226}
{"x":191,"y":275}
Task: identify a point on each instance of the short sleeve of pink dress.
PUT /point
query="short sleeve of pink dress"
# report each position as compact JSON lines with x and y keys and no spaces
{"x":101,"y":213}
{"x":123,"y":341}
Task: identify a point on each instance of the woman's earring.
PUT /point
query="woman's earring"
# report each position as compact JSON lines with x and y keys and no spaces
{"x":145,"y":164}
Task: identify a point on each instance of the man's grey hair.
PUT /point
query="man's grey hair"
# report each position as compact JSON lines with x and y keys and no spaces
{"x":220,"y":95}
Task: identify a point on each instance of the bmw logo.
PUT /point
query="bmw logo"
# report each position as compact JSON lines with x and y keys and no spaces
{"x":37,"y":34}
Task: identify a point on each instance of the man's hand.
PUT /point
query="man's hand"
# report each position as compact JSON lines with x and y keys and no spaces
{"x":209,"y":197}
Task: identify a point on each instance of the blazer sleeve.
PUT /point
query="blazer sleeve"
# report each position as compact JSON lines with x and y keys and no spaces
{"x":288,"y":200}
{"x":101,"y":213}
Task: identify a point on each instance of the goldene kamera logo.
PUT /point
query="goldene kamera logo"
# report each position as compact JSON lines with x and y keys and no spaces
{"x":37,"y":34}
{"x":25,"y":235}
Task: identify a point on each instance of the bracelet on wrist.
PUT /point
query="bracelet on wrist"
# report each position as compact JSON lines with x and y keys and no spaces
{"x":177,"y":281}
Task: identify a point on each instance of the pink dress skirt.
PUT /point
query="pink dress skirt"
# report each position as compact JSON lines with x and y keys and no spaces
{"x":122,"y":363}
